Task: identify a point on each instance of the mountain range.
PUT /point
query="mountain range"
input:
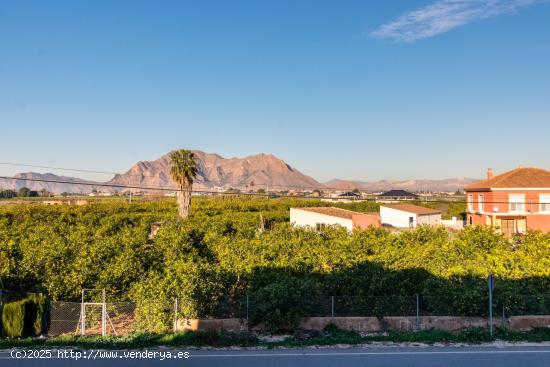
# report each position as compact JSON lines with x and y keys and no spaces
{"x":443,"y":185}
{"x":50,"y":182}
{"x":214,"y":172}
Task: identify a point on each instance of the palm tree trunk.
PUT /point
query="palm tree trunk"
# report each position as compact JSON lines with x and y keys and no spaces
{"x":184,"y":202}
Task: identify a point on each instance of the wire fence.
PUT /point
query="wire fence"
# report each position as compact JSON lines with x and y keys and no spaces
{"x":124,"y":318}
{"x":96,"y":316}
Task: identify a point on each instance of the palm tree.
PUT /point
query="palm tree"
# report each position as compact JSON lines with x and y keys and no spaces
{"x":183,"y":172}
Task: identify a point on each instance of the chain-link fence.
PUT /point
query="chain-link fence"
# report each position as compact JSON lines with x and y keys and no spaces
{"x":519,"y":305}
{"x":64,"y":318}
{"x":467,"y":305}
{"x":123,"y":318}
{"x":92,"y":318}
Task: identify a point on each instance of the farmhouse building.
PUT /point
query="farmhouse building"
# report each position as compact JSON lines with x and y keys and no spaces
{"x":317,"y":217}
{"x":512,"y":202}
{"x":348,"y":195}
{"x":343,"y":197}
{"x":408,"y":215}
{"x":396,"y":196}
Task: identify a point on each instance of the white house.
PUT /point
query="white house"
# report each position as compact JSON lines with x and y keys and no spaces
{"x":315,"y":217}
{"x":395,"y":196}
{"x":343,"y":197}
{"x":408,"y":215}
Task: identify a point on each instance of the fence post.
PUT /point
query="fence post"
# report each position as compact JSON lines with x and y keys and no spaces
{"x":490,"y":286}
{"x":332,"y":306}
{"x":247,"y":311}
{"x":103,"y":314}
{"x":175,"y":326}
{"x":82,"y":316}
{"x":417,"y":312}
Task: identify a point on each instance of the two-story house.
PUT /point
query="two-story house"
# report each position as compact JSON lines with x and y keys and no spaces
{"x":514,"y":201}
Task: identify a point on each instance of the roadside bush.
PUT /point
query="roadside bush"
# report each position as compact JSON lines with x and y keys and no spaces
{"x":39,"y":314}
{"x":210,"y":338}
{"x":27,"y":317}
{"x":474,"y":335}
{"x":282,"y":303}
{"x":13,"y":319}
{"x":153,"y":317}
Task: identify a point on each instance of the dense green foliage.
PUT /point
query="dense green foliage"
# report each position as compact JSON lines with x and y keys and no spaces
{"x":26,"y":317}
{"x":26,"y":192}
{"x":39,"y":314}
{"x":13,"y":319}
{"x":7,"y":194}
{"x":330,"y":336}
{"x":220,"y":254}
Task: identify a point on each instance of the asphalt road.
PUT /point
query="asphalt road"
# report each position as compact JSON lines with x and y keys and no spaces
{"x":372,"y":356}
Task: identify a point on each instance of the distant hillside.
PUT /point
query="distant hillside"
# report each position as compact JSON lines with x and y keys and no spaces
{"x":257,"y":171}
{"x":253,"y":172}
{"x":54,"y":187}
{"x":444,"y":185}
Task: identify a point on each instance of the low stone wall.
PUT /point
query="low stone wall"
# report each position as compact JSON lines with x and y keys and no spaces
{"x":373,"y":324}
{"x":524,"y":323}
{"x":233,"y":325}
{"x":396,"y":323}
{"x":447,"y":323}
{"x":361,"y":324}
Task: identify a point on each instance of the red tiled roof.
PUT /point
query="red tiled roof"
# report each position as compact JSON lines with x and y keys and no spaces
{"x":420,"y":210}
{"x":332,"y":211}
{"x":517,"y":178}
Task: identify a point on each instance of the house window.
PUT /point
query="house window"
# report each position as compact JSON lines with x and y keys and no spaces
{"x":470,"y":203}
{"x":480,"y":203}
{"x":517,"y":203}
{"x":545,"y":203}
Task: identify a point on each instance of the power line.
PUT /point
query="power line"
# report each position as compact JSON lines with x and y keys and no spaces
{"x":56,"y":168}
{"x":145,"y":188}
{"x":99,"y":184}
{"x":157,"y":175}
{"x":153,"y":188}
{"x":240,"y":183}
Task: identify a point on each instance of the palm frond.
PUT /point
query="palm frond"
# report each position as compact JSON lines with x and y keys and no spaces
{"x":184,"y":168}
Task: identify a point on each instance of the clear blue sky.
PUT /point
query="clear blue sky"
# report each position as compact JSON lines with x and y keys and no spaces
{"x":349,"y":89}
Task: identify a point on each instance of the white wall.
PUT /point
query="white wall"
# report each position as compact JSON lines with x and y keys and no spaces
{"x":400,"y":218}
{"x":305,"y":218}
{"x":430,"y":220}
{"x":454,"y":223}
{"x":396,"y":218}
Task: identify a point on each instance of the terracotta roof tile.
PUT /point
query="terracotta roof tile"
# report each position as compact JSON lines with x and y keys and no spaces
{"x":517,"y":178}
{"x":332,"y":211}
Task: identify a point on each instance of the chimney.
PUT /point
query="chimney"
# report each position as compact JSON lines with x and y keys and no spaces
{"x":490,"y":173}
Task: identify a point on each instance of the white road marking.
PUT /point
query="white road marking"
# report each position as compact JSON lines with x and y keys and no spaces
{"x":325,"y":354}
{"x":367,"y":353}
